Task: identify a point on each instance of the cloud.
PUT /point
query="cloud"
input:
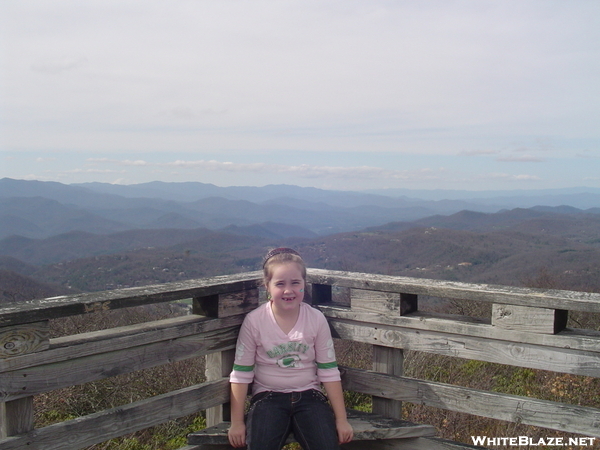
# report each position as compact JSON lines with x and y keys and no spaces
{"x":507,"y":158}
{"x":126,"y":162}
{"x":306,"y":171}
{"x":508,"y":176}
{"x":478,"y":152}
{"x":520,"y":158}
{"x":96,"y":171}
{"x":309,"y":170}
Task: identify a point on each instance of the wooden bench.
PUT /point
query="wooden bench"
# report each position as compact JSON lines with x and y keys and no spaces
{"x":367,"y":427}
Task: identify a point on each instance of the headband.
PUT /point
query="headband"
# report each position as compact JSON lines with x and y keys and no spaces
{"x":278,"y":251}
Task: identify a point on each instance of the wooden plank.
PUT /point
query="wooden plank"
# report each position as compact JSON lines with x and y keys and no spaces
{"x":35,"y":380}
{"x":540,"y":298}
{"x":391,"y":303}
{"x":585,"y":340}
{"x":68,"y":305}
{"x":366,"y":426}
{"x":482,"y":349}
{"x":512,"y":408}
{"x":375,"y":301}
{"x":370,"y":426}
{"x":38,"y":310}
{"x":526,"y":318}
{"x":389,"y":361}
{"x":16,"y":417}
{"x":97,"y":342}
{"x":112,"y":423}
{"x":22,"y":339}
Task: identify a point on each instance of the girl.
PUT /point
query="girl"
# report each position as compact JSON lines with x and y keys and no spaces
{"x":285,"y":349}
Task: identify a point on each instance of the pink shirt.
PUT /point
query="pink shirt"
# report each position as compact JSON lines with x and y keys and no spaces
{"x":276,"y":361}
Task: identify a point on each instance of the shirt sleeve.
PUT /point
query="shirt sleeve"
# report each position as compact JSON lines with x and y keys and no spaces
{"x":245,"y":355}
{"x":327,"y":368}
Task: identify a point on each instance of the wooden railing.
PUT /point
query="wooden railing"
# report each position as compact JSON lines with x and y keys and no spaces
{"x":527,"y":328}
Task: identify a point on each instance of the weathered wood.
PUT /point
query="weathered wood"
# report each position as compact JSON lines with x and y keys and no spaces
{"x":22,"y":339}
{"x":35,"y":380}
{"x":389,"y":361}
{"x":105,"y":425}
{"x":16,"y":417}
{"x":72,"y":360}
{"x":69,"y":305}
{"x":225,"y":305}
{"x":392,"y":303}
{"x":375,"y":301}
{"x":584,"y":340}
{"x":490,"y":350}
{"x":366,"y":426}
{"x":512,"y":408}
{"x":540,"y":298}
{"x":218,"y":366}
{"x":38,"y":310}
{"x":526,"y":318}
{"x":97,"y":342}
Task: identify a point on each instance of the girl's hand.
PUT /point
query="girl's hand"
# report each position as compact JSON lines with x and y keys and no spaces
{"x":237,"y":435}
{"x":344,"y":431}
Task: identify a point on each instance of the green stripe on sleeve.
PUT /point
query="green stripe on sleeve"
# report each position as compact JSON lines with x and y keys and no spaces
{"x":243,"y":368}
{"x":330,"y":365}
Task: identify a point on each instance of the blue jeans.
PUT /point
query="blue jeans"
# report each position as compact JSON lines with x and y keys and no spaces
{"x":307,"y":414}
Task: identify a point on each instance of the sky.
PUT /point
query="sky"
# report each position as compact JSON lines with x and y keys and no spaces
{"x":341,"y":94}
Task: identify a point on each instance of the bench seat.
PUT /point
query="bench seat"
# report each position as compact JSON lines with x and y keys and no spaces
{"x":367,"y":427}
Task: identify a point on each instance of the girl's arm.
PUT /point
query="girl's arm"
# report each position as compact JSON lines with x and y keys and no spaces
{"x":336,"y":398}
{"x":237,"y":431}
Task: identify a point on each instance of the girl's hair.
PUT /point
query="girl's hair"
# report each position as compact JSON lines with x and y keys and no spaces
{"x":281,"y":256}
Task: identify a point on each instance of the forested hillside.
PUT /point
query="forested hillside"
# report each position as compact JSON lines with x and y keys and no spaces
{"x":508,"y":247}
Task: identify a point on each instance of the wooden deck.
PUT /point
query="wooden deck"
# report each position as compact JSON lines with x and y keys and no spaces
{"x":527,"y":328}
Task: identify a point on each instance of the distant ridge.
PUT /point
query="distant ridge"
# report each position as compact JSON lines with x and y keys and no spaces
{"x":39,"y":210}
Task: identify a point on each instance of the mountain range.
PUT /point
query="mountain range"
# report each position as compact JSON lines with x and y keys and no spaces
{"x":36,"y":209}
{"x":57,"y":239}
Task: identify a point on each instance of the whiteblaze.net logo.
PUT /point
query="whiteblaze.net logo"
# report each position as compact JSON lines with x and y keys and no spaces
{"x":526,"y":441}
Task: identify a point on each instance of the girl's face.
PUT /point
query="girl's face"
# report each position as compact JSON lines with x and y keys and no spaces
{"x":286,"y":287}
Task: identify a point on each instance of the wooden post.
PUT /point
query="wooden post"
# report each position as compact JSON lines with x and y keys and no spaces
{"x":219,"y":365}
{"x":389,"y":361}
{"x":385,"y":359}
{"x":16,"y":416}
